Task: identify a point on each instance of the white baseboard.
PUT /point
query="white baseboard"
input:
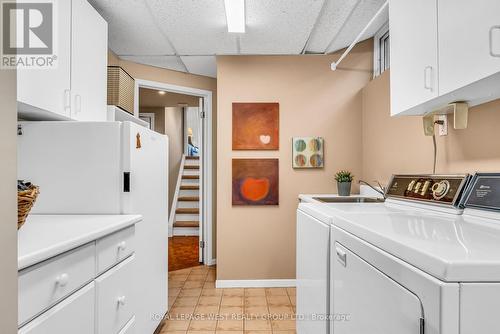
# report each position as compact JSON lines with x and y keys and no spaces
{"x":255,"y":283}
{"x":211,"y":262}
{"x":186,"y":231}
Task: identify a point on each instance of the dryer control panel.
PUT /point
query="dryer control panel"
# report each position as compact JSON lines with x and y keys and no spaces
{"x":484,"y":192}
{"x":438,"y":189}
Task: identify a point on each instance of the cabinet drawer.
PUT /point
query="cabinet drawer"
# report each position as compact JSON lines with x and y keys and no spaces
{"x":114,"y":248}
{"x":129,"y":327}
{"x":44,"y":284}
{"x":74,"y":315}
{"x":115,"y":298}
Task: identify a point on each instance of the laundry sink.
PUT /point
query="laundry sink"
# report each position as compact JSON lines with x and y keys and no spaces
{"x":347,"y":199}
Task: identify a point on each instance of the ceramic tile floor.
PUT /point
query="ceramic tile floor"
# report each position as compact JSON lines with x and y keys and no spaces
{"x":197,"y":307}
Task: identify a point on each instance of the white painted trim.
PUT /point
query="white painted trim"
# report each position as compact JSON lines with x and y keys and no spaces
{"x":176,"y":197}
{"x":185,"y":231}
{"x":151,"y":116}
{"x":376,"y":49}
{"x":212,"y":262}
{"x":257,"y":283}
{"x":207,"y":138}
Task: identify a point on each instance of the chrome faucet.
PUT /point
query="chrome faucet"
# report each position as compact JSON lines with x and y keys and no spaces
{"x":381,"y":191}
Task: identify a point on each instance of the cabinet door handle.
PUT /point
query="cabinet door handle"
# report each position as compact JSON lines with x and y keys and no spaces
{"x":492,"y":31}
{"x":122,"y":246}
{"x":78,"y":104}
{"x":121,"y":301}
{"x":67,"y":99}
{"x":62,"y":280}
{"x":341,"y":255}
{"x":428,"y":78}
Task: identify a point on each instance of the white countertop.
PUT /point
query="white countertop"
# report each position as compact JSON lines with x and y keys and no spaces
{"x":45,"y":236}
{"x":453,"y":248}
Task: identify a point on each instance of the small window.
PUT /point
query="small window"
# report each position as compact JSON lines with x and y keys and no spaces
{"x":381,"y":54}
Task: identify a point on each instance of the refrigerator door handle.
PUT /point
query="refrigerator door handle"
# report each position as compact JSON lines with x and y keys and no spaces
{"x":126,"y":182}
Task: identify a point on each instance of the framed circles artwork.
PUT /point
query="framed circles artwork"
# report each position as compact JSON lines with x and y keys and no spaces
{"x":308,"y":152}
{"x":255,"y":126}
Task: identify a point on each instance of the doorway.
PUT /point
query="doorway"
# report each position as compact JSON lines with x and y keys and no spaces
{"x":185,"y":116}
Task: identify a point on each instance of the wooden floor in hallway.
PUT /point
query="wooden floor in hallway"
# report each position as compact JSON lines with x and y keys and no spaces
{"x":197,"y":307}
{"x":183,"y":252}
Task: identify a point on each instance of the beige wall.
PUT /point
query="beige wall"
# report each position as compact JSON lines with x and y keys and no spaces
{"x":174,"y":129}
{"x":145,"y":72}
{"x":398,"y":145}
{"x":159,"y":117}
{"x":259,"y":242}
{"x":8,"y":203}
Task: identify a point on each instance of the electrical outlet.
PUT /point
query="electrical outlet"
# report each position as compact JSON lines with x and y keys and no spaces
{"x":443,"y":129}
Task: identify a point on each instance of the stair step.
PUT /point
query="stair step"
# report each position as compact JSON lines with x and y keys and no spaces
{"x":190,"y":177}
{"x":192,"y":158}
{"x":196,"y":167}
{"x":189,"y":199}
{"x":187,"y":211}
{"x":190,"y":223}
{"x":190,"y":187}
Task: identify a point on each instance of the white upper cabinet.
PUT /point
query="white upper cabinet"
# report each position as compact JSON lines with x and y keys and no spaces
{"x":443,"y":51}
{"x":49,"y":89}
{"x":77,"y":87}
{"x":89,"y":47}
{"x":414,"y":54}
{"x":469,"y":42}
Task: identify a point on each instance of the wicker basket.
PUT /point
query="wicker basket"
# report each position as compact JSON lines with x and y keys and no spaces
{"x":25,"y":201}
{"x":120,"y":89}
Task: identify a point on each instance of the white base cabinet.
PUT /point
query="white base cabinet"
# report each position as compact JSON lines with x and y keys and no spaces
{"x":68,"y":294}
{"x":74,"y":315}
{"x":115,"y":302}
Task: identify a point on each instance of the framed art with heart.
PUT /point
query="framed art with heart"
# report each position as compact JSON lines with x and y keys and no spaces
{"x":255,"y":182}
{"x":255,"y":126}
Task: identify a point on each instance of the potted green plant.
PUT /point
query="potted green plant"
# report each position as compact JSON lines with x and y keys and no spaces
{"x":344,"y":179}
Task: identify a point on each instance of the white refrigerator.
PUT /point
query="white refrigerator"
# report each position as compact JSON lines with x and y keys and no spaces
{"x":107,"y":168}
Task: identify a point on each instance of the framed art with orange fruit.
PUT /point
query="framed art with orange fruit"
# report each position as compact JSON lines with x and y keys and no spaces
{"x":255,"y":182}
{"x":255,"y":126}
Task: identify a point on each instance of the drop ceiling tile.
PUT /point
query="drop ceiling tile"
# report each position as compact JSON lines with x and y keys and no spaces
{"x":201,"y":65}
{"x":195,"y":27}
{"x":334,"y":16}
{"x":278,"y":26}
{"x":130,"y":28}
{"x":358,"y":20}
{"x":169,"y":62}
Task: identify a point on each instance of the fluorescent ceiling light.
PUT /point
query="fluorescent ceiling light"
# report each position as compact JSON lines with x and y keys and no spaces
{"x":235,"y":15}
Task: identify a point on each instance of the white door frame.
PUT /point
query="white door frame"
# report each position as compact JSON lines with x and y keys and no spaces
{"x":207,"y":163}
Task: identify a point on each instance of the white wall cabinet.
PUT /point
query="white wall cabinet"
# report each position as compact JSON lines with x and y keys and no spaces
{"x":414,"y":52}
{"x":468,"y":42}
{"x":443,"y":51}
{"x":89,"y":63}
{"x":77,"y":88}
{"x":49,"y":89}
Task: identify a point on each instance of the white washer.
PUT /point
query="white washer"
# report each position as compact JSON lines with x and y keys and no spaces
{"x":407,"y":268}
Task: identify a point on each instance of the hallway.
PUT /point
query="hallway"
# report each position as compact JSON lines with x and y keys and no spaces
{"x":183,"y":252}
